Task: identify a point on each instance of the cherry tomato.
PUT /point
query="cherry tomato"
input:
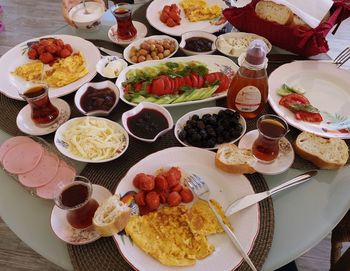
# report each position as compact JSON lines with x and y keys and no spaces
{"x":166,"y":8}
{"x":186,"y":195}
{"x":32,"y":54}
{"x":163,"y":196}
{"x":161,"y":183}
{"x":177,"y":188}
{"x":140,"y":198}
{"x":152,"y":200}
{"x":176,"y":171}
{"x":173,"y":176}
{"x":174,"y":199}
{"x":170,"y":22}
{"x":147,"y":182}
{"x":137,"y":179}
{"x":293,"y":98}
{"x":46,"y":58}
{"x":307,"y":116}
{"x":164,"y":16}
{"x":64,"y":53}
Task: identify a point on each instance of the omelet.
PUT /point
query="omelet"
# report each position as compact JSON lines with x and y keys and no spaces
{"x":175,"y":236}
{"x":66,"y":71}
{"x":32,"y":71}
{"x":199,"y":10}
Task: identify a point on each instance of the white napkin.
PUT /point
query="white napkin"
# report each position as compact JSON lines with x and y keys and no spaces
{"x":310,"y":11}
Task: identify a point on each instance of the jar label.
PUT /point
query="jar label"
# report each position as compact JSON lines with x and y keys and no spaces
{"x":248,"y":99}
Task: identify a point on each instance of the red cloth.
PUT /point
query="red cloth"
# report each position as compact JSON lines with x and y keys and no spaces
{"x":300,"y":40}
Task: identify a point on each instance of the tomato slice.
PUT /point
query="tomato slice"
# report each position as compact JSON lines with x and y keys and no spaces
{"x":307,"y":116}
{"x":224,"y":83}
{"x":210,"y":78}
{"x":293,"y":99}
{"x":167,"y":84}
{"x":200,"y":81}
{"x":157,"y":87}
{"x":194,"y":80}
{"x":188,"y":81}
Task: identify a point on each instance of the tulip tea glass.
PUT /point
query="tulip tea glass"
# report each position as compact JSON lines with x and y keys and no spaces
{"x":76,"y":199}
{"x":271,"y":129}
{"x":125,"y":29}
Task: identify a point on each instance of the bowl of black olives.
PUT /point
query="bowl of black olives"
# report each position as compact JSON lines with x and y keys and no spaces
{"x":209,"y":127}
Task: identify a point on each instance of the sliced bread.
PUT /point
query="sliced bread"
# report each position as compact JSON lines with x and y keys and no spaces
{"x":231,"y":159}
{"x":330,"y":153}
{"x":271,"y":11}
{"x":111,"y":217}
{"x":297,"y":21}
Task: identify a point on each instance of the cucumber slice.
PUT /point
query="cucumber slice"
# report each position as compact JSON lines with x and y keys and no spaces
{"x":166,"y":99}
{"x":138,"y":99}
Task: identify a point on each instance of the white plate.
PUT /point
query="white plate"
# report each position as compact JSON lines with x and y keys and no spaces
{"x":26,"y":124}
{"x":62,"y":146}
{"x":17,"y":56}
{"x":283,"y":161}
{"x":156,"y":6}
{"x":66,"y":232}
{"x":224,"y":187}
{"x":214,"y":63}
{"x":137,"y":43}
{"x":180,"y":124}
{"x":327,"y":88}
{"x":141,"y":33}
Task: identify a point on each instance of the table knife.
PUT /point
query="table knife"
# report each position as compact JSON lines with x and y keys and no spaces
{"x":110,"y":52}
{"x":252,"y":199}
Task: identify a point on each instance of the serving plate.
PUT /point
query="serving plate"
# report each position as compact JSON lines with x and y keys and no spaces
{"x":156,"y":6}
{"x":326,"y":87}
{"x":214,"y":63}
{"x":224,"y":188}
{"x":17,"y":56}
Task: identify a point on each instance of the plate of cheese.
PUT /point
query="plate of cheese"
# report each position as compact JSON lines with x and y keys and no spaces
{"x":63,"y":62}
{"x":153,"y":245}
{"x":91,"y":139}
{"x":205,"y":15}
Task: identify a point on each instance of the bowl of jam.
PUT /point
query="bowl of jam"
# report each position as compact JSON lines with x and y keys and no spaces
{"x":97,"y":99}
{"x":147,"y":121}
{"x":198,"y":43}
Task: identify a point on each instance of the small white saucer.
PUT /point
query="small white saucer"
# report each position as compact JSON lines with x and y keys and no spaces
{"x":141,"y":33}
{"x":66,"y":232}
{"x":26,"y":125}
{"x":284,"y":159}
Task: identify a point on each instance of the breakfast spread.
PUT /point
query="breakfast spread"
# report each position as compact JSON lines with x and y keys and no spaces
{"x":35,"y":166}
{"x":94,"y":138}
{"x":173,"y":82}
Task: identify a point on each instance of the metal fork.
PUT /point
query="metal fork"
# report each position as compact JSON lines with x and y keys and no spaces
{"x":201,"y":190}
{"x":343,"y":57}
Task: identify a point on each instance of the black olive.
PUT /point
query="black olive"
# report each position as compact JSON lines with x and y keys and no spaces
{"x":183,"y":135}
{"x":195,"y":117}
{"x":220,"y":139}
{"x":200,"y":124}
{"x":203,"y":133}
{"x":211,"y":143}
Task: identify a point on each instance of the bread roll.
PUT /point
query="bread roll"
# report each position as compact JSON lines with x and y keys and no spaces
{"x":324,"y":153}
{"x":111,"y":217}
{"x":231,"y":159}
{"x":270,"y":11}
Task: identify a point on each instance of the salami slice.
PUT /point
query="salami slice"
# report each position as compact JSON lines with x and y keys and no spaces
{"x":64,"y":176}
{"x":43,"y":173}
{"x":22,"y":158}
{"x":12,"y":142}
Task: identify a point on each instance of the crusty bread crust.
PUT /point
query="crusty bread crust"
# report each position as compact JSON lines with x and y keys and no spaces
{"x":273,"y":12}
{"x":242,"y":167}
{"x":334,"y":145}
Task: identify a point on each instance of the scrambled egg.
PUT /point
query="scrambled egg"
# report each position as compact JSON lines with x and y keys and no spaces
{"x":62,"y":73}
{"x":32,"y":71}
{"x":175,"y":236}
{"x":199,"y":10}
{"x":66,"y":71}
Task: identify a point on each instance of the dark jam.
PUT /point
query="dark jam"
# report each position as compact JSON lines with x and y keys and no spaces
{"x":266,"y":146}
{"x":147,"y":123}
{"x":97,"y":99}
{"x":198,"y":44}
{"x":74,"y":196}
{"x":43,"y":112}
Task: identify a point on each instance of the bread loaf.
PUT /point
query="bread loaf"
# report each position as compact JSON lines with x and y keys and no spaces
{"x":111,"y":217}
{"x":324,"y":153}
{"x":270,"y":11}
{"x":231,"y":159}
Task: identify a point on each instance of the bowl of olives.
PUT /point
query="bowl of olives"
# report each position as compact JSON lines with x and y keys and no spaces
{"x":209,"y":127}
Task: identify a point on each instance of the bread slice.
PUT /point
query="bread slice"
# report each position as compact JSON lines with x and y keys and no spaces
{"x":324,"y":153}
{"x":231,"y":159}
{"x":270,"y":11}
{"x":297,"y":21}
{"x":111,"y":217}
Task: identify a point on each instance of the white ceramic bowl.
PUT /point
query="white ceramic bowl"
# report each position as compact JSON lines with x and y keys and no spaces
{"x":201,"y":34}
{"x":110,"y":66}
{"x":137,"y":44}
{"x":100,"y":85}
{"x":62,"y":145}
{"x":138,"y":109}
{"x":180,"y":124}
{"x":89,"y":21}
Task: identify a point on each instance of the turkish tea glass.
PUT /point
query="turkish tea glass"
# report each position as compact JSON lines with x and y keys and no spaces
{"x":125,"y":29}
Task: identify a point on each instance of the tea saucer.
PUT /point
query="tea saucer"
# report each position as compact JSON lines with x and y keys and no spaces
{"x":26,"y":125}
{"x":284,"y":159}
{"x":66,"y":232}
{"x":141,"y":33}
